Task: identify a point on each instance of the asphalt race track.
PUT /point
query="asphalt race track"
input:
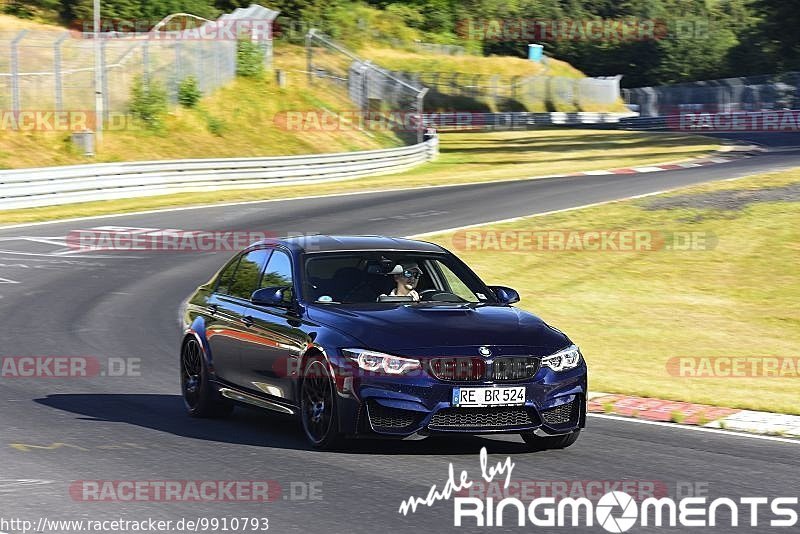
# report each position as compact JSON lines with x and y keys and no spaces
{"x":118,"y":305}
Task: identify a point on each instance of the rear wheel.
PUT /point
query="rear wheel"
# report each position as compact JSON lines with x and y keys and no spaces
{"x":318,"y":406}
{"x":537,"y":443}
{"x":200,"y":396}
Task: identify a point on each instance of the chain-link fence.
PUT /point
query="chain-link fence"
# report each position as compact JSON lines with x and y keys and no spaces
{"x":751,"y":93}
{"x":497,"y":93}
{"x":369,"y":87}
{"x":55,"y":70}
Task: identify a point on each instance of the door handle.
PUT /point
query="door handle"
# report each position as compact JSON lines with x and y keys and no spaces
{"x":248,"y":321}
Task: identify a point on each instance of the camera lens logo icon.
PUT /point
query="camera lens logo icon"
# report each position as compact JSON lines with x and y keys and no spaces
{"x":605,"y":508}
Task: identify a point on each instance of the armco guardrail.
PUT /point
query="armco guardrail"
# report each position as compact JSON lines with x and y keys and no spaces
{"x":700,"y":121}
{"x":645,"y":123}
{"x":25,"y":188}
{"x":518,"y":120}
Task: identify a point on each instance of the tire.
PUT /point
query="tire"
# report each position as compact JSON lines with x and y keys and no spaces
{"x":537,"y":443}
{"x":318,"y":413}
{"x":200,"y":397}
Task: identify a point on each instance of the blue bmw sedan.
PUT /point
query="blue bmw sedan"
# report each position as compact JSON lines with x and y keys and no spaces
{"x":377,"y":336}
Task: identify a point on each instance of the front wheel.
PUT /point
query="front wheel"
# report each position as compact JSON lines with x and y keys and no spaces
{"x":200,"y":396}
{"x":318,"y":406}
{"x":538,"y":443}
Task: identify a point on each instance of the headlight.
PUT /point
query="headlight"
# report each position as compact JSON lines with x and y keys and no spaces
{"x":562,"y":360}
{"x":369,"y":360}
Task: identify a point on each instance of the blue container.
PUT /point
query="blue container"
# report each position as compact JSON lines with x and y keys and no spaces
{"x":535,"y":52}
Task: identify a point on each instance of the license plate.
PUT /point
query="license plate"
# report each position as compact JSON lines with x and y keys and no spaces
{"x":488,"y":396}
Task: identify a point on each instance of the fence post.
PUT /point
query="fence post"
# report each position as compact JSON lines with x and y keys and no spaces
{"x":178,"y":68}
{"x":268,"y":51}
{"x":146,"y":62}
{"x":59,"y":89}
{"x":365,"y":87}
{"x":514,"y":84}
{"x":309,"y":58}
{"x":217,"y":65}
{"x":200,"y":53}
{"x":104,"y":79}
{"x":15,"y":102}
{"x":420,"y":111}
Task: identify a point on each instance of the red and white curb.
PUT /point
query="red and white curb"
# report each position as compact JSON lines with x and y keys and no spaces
{"x":725,"y":154}
{"x":702,"y":415}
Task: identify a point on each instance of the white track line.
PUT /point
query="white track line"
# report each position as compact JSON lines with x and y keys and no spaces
{"x":695,"y":428}
{"x":542,"y":214}
{"x":563,"y":210}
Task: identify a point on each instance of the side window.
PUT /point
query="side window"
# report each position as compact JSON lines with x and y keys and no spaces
{"x":456,"y":285}
{"x":246,"y":279}
{"x":278,"y":272}
{"x":226,"y":276}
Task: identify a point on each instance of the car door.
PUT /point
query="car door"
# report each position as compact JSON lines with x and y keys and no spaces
{"x":227,"y":333}
{"x":271,"y":357}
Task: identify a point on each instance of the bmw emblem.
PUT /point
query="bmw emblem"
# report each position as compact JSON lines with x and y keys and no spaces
{"x":485,"y":351}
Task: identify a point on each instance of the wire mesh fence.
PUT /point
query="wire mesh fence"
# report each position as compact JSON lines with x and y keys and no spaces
{"x":55,"y":70}
{"x":751,"y":93}
{"x":370,"y":88}
{"x":496,"y":93}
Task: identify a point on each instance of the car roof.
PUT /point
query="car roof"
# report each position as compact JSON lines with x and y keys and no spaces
{"x":341,"y":243}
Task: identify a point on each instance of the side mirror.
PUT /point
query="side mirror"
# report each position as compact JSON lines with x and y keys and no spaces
{"x":505,"y":295}
{"x":270,"y":296}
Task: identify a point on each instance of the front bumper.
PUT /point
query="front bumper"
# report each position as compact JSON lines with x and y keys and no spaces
{"x":555,"y":403}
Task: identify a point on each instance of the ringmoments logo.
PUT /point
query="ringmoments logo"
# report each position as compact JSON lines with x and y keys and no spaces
{"x":615,"y":511}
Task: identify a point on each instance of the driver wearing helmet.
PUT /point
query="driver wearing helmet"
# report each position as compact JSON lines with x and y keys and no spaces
{"x":406,"y":278}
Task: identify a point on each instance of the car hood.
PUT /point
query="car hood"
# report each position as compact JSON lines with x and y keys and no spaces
{"x":441,"y":329}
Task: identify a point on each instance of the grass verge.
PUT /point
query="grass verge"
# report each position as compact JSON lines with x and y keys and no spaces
{"x":464,"y":158}
{"x":738,"y":295}
{"x":238,"y":120}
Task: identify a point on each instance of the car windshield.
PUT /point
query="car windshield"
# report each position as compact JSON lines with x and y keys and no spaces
{"x":368,"y":277}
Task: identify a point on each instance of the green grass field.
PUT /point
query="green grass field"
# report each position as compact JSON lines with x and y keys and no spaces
{"x":631,"y":312}
{"x":464,"y":158}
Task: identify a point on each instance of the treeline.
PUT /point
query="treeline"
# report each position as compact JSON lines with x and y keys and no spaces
{"x":662,"y":41}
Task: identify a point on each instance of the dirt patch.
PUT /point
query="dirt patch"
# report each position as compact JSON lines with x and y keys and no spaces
{"x":734,"y":199}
